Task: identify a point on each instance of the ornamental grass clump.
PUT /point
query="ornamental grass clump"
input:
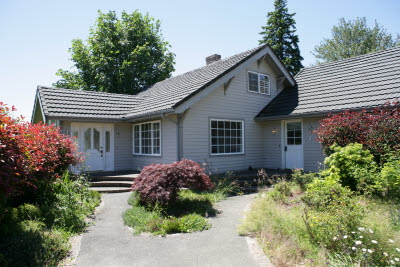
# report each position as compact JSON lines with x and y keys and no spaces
{"x":160,"y":183}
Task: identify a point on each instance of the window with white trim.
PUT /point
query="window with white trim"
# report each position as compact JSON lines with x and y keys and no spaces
{"x":258,"y":83}
{"x":226,"y":137}
{"x":147,"y":138}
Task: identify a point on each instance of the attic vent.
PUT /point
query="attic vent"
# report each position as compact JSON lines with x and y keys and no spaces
{"x":212,"y":58}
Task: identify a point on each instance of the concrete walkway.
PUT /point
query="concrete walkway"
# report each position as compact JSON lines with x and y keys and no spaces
{"x":110,"y":243}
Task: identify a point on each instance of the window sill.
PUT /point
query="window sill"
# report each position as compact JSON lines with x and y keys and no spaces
{"x":227,"y":154}
{"x":147,"y":155}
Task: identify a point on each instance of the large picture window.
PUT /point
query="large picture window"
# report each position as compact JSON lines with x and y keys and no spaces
{"x":147,"y":138}
{"x":258,"y":83}
{"x":226,"y":137}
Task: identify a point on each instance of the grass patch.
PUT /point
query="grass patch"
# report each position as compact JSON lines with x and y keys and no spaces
{"x":276,"y":219}
{"x":188,"y":214}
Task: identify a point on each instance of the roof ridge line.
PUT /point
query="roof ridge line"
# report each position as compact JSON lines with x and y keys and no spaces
{"x":352,"y":58}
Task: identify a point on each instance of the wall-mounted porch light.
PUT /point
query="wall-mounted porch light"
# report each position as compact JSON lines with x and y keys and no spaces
{"x":273,"y":131}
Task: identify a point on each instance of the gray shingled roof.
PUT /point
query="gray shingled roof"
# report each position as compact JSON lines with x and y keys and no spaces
{"x":360,"y":82}
{"x":162,"y":96}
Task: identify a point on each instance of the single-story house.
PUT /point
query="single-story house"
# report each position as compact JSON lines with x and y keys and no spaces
{"x":233,"y":113}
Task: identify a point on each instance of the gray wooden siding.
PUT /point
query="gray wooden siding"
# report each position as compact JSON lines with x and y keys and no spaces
{"x":123,"y":146}
{"x":313,"y":156}
{"x":237,"y":103}
{"x":168,"y":147}
{"x":272,"y":145}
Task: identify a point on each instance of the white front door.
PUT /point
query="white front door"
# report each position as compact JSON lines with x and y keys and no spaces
{"x":293,"y":144}
{"x":96,"y":142}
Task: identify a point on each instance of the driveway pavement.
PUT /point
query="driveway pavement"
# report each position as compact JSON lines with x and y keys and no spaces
{"x":109,"y":243}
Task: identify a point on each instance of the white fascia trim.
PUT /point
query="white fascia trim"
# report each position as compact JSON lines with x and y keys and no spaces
{"x":37,"y":99}
{"x":281,"y":67}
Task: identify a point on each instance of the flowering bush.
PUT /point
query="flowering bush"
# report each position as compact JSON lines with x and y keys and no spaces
{"x":31,"y":155}
{"x":378,"y":131}
{"x":160,"y":183}
{"x":365,"y":248}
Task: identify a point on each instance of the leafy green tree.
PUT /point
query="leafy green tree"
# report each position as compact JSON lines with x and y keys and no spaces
{"x":121,"y":55}
{"x":279,"y":33}
{"x":353,"y":38}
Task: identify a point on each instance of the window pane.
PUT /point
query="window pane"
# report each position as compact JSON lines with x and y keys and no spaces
{"x":298,"y":141}
{"x":75,"y":135}
{"x":136,"y":136}
{"x":88,"y":139}
{"x":96,"y":139}
{"x":214,"y":124}
{"x":253,"y":82}
{"x":228,"y":139}
{"x":264,"y":84}
{"x":146,"y":138}
{"x":108,"y":141}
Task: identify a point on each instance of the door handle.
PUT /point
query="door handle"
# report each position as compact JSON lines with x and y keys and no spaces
{"x":101,"y":151}
{"x":285,"y":148}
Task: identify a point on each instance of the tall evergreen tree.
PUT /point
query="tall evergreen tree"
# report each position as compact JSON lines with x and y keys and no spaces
{"x":279,"y":33}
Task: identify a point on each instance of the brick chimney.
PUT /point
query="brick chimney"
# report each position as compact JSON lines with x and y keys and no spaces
{"x":212,"y":58}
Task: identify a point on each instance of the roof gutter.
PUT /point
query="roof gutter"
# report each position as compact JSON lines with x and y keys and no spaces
{"x":148,"y":115}
{"x":312,"y":114}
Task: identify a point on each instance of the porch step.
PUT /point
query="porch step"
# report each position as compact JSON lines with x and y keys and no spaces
{"x":114,"y":178}
{"x":111,"y":184}
{"x":109,"y":190}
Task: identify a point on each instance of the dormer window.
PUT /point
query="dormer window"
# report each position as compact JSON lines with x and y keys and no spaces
{"x":258,"y":83}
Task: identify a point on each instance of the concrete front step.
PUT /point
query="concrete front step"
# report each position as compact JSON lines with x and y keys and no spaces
{"x":111,"y":184}
{"x":113,"y":178}
{"x":107,"y":190}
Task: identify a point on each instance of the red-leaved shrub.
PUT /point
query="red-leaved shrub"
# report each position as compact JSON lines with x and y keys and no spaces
{"x":31,"y":155}
{"x":377,"y":130}
{"x":160,"y":183}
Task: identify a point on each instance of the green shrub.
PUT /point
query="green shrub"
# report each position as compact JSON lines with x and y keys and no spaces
{"x":227,"y":185}
{"x":330,"y":208}
{"x":282,"y":190}
{"x":29,"y":225}
{"x":390,"y":174}
{"x":353,"y":167}
{"x":303,"y":179}
{"x":28,"y":212}
{"x":34,"y":248}
{"x":72,"y":202}
{"x":193,"y":223}
{"x":322,"y":193}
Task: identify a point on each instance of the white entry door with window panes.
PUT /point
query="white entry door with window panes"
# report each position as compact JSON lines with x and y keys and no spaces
{"x":293,"y":145}
{"x":96,"y":142}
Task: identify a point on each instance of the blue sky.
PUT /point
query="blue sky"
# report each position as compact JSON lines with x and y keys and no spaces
{"x":35,"y":35}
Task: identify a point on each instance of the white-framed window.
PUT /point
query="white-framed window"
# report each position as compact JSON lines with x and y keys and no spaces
{"x":258,"y":83}
{"x":226,"y":137}
{"x":147,"y":138}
